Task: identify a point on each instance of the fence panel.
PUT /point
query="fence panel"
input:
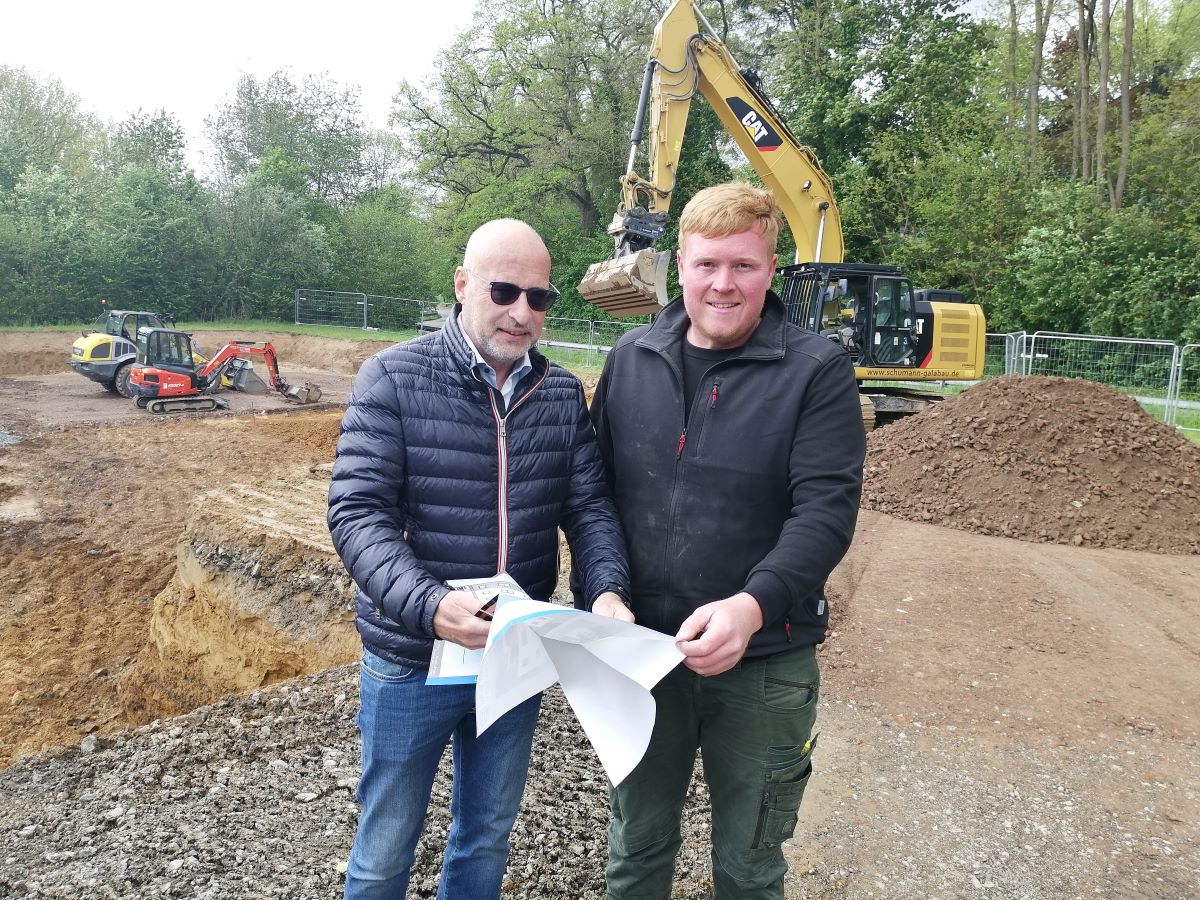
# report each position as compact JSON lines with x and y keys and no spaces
{"x":401,"y":314}
{"x":1186,"y":412}
{"x":1162,"y":376}
{"x":1002,"y":354}
{"x":337,"y":309}
{"x":341,"y":309}
{"x":1144,"y":369}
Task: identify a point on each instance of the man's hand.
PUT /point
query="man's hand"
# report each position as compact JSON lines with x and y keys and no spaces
{"x":455,"y":620}
{"x":714,"y":637}
{"x":611,"y":605}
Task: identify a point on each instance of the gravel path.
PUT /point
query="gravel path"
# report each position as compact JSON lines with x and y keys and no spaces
{"x":253,"y":798}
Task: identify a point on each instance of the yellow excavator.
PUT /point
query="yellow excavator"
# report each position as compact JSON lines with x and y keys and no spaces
{"x":893,"y":332}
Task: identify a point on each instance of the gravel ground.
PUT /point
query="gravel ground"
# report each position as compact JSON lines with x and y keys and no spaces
{"x":254,"y":797}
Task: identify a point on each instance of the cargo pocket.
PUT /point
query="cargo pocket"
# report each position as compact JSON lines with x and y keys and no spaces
{"x":779,"y":809}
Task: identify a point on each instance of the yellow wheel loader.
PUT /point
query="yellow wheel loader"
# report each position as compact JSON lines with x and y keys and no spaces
{"x":106,"y":352}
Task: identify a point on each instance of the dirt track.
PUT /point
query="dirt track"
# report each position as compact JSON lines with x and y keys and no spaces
{"x":1024,"y":670}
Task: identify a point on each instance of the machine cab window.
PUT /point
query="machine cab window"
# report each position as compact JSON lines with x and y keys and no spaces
{"x":163,"y":348}
{"x":892,"y":323}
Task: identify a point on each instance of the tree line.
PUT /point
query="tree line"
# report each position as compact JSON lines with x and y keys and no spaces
{"x":1040,"y":157}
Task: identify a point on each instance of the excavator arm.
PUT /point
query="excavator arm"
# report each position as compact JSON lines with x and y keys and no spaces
{"x":686,"y":57}
{"x":221,"y":360}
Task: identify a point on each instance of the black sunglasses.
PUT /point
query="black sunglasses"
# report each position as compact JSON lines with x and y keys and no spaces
{"x":505,"y":293}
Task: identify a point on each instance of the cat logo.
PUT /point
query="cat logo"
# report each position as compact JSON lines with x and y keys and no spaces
{"x":757,"y":129}
{"x":760,"y":132}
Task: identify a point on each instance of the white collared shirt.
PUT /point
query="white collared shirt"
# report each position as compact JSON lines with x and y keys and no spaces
{"x":488,"y":374}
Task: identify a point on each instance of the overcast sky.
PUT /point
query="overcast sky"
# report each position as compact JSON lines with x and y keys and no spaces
{"x":123,"y":55}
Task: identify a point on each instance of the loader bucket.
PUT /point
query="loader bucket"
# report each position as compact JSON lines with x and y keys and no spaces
{"x":306,"y":393}
{"x":632,"y":285}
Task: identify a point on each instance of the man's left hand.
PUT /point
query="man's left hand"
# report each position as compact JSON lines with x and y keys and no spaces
{"x":714,"y":637}
{"x":611,"y":605}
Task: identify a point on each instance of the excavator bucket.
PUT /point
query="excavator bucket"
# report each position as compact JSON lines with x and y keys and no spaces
{"x":305,"y":393}
{"x":241,"y":376}
{"x":631,"y":285}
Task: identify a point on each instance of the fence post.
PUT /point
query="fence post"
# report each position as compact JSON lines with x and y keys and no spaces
{"x":364,"y":303}
{"x":297,"y":314}
{"x":1173,"y":389}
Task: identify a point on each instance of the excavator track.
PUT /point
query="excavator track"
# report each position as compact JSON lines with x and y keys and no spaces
{"x":185,"y":404}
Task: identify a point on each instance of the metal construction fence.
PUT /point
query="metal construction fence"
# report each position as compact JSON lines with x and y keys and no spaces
{"x":579,"y":342}
{"x":339,"y":309}
{"x":1163,"y":376}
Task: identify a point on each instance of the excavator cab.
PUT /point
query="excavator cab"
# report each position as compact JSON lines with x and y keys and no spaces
{"x":893,"y":322}
{"x":170,"y":351}
{"x":867,"y":309}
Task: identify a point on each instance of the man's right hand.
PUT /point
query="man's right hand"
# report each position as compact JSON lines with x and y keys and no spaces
{"x":455,"y":620}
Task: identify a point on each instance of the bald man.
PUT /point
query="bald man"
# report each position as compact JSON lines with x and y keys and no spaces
{"x":461,"y":455}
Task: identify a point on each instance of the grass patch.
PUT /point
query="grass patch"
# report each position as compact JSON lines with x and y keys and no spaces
{"x":250,"y":328}
{"x":325,"y":331}
{"x":582,"y":362}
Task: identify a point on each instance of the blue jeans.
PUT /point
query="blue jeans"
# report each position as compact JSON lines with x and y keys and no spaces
{"x":405,"y":726}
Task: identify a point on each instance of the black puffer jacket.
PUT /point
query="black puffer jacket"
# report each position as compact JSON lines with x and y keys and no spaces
{"x":433,"y":482}
{"x":759,"y":494}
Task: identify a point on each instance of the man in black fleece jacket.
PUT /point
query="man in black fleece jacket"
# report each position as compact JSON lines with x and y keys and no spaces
{"x":735,"y":445}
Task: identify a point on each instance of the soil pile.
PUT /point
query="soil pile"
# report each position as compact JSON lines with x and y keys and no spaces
{"x":1057,"y":460}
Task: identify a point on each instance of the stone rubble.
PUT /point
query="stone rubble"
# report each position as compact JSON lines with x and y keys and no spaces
{"x":254,"y":797}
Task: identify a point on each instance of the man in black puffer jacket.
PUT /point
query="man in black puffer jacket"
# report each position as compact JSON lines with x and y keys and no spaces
{"x":460,"y":456}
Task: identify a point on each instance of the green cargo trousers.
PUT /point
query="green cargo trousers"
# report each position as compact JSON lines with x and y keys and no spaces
{"x":752,"y":726}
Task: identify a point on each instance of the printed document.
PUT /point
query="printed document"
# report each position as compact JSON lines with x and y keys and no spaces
{"x":606,"y":668}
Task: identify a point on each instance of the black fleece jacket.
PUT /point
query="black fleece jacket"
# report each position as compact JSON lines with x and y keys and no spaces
{"x":761,"y":491}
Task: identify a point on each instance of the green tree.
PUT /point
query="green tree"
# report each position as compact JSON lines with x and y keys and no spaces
{"x":315,"y":124}
{"x":150,"y":140}
{"x":43,"y":250}
{"x":266,"y":247}
{"x":147,"y":243}
{"x":381,"y":246}
{"x":41,"y":127}
{"x":529,"y":110}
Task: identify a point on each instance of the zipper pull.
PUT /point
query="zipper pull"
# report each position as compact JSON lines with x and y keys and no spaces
{"x":787,"y":627}
{"x":682,"y":438}
{"x":716,"y":389}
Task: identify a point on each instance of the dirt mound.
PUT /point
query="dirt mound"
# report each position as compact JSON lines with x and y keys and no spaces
{"x":1041,"y":459}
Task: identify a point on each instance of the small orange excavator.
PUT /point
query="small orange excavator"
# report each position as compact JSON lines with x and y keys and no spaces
{"x":165,"y":377}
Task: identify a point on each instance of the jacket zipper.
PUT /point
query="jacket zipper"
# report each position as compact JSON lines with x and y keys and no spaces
{"x":714,"y":394}
{"x":502,"y":469}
